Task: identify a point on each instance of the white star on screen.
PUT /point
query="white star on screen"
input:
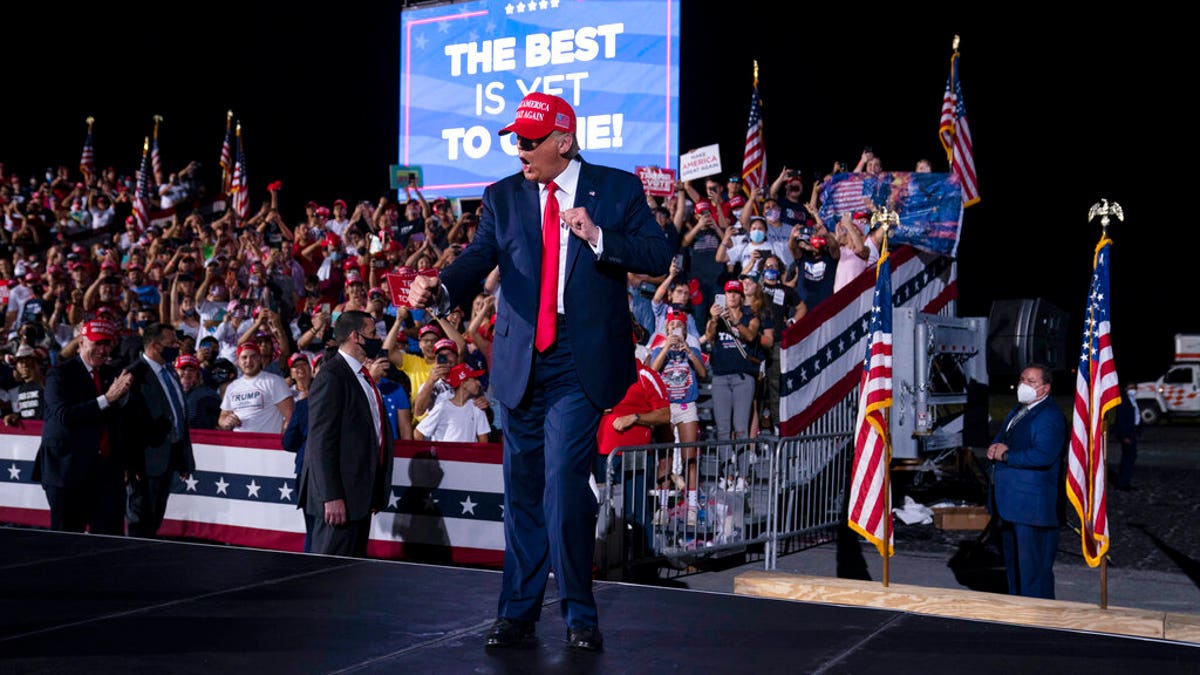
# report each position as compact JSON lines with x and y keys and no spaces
{"x":222,"y":486}
{"x":191,"y":483}
{"x":13,"y":472}
{"x":285,"y":492}
{"x":468,"y":506}
{"x":252,"y":489}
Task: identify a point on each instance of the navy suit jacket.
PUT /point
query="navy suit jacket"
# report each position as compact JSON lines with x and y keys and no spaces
{"x":73,"y":425}
{"x":146,"y":426}
{"x":595,"y":296}
{"x":1027,"y":487}
{"x":341,"y":456}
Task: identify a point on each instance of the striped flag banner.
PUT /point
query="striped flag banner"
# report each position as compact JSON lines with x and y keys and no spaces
{"x":870,"y":510}
{"x":821,"y":355}
{"x":1097,"y":391}
{"x":446,"y":502}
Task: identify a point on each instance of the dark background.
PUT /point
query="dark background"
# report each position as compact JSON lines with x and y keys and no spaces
{"x":1062,"y":113}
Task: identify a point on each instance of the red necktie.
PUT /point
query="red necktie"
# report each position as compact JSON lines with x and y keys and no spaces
{"x":382,"y":414}
{"x":548,"y":296}
{"x":104,"y":449}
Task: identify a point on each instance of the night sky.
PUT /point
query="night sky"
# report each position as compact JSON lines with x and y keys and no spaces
{"x":1062,"y":115}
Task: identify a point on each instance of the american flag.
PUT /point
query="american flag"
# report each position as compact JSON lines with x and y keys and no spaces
{"x":155,"y":160}
{"x":237,"y":185}
{"x":226,"y":156}
{"x":87,"y":161}
{"x":868,"y":494}
{"x":956,"y":136}
{"x":1096,"y":392}
{"x":754,"y":161}
{"x":141,"y":193}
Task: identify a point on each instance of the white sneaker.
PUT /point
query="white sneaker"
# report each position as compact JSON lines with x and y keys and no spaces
{"x":740,"y":485}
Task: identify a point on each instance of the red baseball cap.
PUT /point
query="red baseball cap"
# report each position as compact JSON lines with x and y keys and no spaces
{"x":676,"y":315}
{"x":539,"y":114}
{"x":734,"y":285}
{"x":298,"y":356}
{"x":429,"y":328}
{"x":461,"y":373}
{"x":98,"y":330}
{"x":187,"y":361}
{"x":248,"y":346}
{"x":340,"y":202}
{"x":445,"y":343}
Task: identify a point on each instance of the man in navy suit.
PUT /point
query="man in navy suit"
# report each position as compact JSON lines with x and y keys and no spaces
{"x":80,"y":463}
{"x":1027,"y":482}
{"x":562,"y":351}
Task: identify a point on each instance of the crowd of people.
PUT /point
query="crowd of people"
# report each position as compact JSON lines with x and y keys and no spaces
{"x":254,"y":301}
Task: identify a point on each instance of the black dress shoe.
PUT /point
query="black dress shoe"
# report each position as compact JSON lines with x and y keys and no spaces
{"x":585,"y":638}
{"x":507,"y":632}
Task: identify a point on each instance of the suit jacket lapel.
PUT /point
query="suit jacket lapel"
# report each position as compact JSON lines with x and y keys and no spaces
{"x":584,"y":197}
{"x":530,"y":229}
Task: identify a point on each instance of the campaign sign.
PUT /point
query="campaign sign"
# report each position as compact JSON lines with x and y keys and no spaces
{"x":465,"y":66}
{"x":700,"y":162}
{"x":657,"y":182}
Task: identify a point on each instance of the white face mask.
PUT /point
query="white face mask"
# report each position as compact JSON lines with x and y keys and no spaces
{"x":1026,"y":394}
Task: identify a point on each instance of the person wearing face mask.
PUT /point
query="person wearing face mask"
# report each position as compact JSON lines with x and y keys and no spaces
{"x":155,"y":431}
{"x":1124,"y":430}
{"x":1027,"y":482}
{"x":347,"y":472}
{"x":749,"y":255}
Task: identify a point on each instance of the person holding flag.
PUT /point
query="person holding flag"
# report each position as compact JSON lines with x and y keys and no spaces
{"x":1027,"y":474}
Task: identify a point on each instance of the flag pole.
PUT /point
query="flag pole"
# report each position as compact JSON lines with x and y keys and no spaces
{"x":1104,"y":209}
{"x":1104,"y":558}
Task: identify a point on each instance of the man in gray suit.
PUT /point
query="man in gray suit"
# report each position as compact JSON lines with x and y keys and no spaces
{"x":154,"y":431}
{"x":347,"y":473}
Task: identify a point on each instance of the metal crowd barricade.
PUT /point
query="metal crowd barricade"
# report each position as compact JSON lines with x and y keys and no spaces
{"x":759,"y":496}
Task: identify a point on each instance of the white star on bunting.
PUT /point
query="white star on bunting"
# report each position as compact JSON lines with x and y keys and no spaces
{"x":222,"y":486}
{"x":252,"y":489}
{"x":285,"y":492}
{"x":468,"y":506}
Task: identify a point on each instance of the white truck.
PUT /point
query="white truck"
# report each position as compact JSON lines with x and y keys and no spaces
{"x":1177,"y":392}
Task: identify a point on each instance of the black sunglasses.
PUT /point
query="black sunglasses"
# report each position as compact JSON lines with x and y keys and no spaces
{"x":530,"y":144}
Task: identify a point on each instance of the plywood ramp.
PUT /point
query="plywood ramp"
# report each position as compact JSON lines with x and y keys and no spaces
{"x":965,"y":604}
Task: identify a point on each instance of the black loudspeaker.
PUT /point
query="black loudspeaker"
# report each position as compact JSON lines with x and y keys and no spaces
{"x":1030,"y":330}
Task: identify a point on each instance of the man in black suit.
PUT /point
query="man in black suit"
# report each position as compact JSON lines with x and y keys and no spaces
{"x":347,"y":473}
{"x":155,"y":432}
{"x":79,"y":463}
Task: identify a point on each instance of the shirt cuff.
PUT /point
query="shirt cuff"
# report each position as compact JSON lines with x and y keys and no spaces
{"x":102,"y":401}
{"x":598,"y":248}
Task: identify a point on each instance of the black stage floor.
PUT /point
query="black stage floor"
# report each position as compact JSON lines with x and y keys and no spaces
{"x":89,"y":604}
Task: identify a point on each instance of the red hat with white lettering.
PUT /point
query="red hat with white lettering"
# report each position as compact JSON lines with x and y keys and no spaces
{"x":248,"y":346}
{"x":539,"y":114}
{"x":187,"y":361}
{"x":99,"y":330}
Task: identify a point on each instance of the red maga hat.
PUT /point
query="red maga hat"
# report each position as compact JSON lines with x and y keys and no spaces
{"x":539,"y":114}
{"x":98,"y":330}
